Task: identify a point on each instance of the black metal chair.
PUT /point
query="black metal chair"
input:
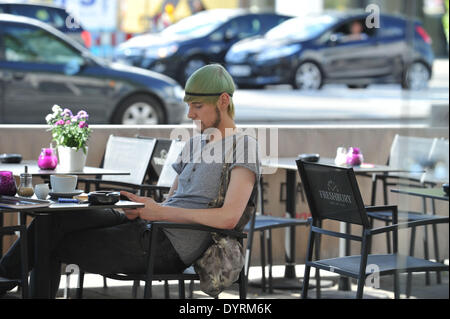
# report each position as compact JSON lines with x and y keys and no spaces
{"x":124,"y":153}
{"x":265,"y":223}
{"x":188,"y":274}
{"x":333,"y":193}
{"x":10,"y":230}
{"x":407,"y":153}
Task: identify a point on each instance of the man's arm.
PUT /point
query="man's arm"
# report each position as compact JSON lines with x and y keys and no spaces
{"x":172,"y":190}
{"x":238,"y":193}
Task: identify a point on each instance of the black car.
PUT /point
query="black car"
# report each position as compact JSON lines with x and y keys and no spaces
{"x":54,"y":15}
{"x":308,"y":52}
{"x":195,"y":41}
{"x":40,"y":67}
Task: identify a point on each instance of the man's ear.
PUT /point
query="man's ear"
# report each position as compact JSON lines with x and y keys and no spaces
{"x":224,"y":101}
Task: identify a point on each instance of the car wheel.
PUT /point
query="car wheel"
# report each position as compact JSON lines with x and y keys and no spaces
{"x":357,"y":86}
{"x":308,"y":76}
{"x":139,"y":109}
{"x":192,"y":65}
{"x":416,"y":76}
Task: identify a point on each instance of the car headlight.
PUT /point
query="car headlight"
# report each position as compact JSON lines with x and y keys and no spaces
{"x":161,"y":52}
{"x":275,"y":53}
{"x":235,"y":57}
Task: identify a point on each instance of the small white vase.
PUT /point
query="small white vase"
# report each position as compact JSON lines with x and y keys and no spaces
{"x":71,"y":160}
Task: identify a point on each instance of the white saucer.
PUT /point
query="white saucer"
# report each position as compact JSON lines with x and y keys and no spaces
{"x":65,"y":195}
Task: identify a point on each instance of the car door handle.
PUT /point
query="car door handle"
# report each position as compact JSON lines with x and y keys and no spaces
{"x":18,"y":75}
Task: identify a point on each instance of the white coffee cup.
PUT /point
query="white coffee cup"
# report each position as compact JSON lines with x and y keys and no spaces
{"x":63,"y":183}
{"x":41,"y":191}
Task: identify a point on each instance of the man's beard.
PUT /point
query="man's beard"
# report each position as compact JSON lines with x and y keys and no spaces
{"x":216,"y":122}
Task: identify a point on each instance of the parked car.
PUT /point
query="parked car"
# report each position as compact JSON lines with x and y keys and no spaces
{"x":308,"y":52}
{"x":40,"y":67}
{"x":54,"y":15}
{"x":195,"y":41}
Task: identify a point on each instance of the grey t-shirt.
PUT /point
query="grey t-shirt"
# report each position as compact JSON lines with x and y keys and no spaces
{"x":199,"y":167}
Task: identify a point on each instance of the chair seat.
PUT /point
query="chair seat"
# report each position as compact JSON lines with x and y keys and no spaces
{"x":263,"y":222}
{"x":387,"y":264}
{"x":402,"y":216}
{"x":4,"y":280}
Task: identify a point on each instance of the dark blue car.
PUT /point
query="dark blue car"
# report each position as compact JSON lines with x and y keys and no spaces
{"x":40,"y":67}
{"x":54,"y":15}
{"x":347,"y":48}
{"x":195,"y":41}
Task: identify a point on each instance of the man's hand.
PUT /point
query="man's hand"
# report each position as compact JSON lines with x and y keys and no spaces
{"x":148,"y":212}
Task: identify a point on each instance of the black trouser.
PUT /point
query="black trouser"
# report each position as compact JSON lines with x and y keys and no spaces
{"x":98,"y":241}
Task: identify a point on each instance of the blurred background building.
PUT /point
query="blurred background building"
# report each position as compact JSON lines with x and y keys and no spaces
{"x":113,"y":21}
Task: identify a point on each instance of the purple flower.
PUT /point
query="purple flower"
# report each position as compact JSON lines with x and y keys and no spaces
{"x":60,"y":122}
{"x":67,"y":113}
{"x":82,"y":115}
{"x":83,"y":124}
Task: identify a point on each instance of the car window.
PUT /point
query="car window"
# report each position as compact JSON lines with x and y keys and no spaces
{"x":244,"y":27}
{"x":301,"y":28}
{"x":391,"y":28}
{"x":270,"y":21}
{"x":23,"y":43}
{"x":353,"y":30}
{"x":52,"y":16}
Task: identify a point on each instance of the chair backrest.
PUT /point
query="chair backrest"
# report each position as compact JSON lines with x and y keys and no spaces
{"x":410,"y":153}
{"x":128,"y":154}
{"x":438,"y":162}
{"x":332,"y":193}
{"x":168,"y":174}
{"x":158,"y":158}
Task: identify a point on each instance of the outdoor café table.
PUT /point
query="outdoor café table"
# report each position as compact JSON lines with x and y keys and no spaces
{"x":34,"y":170}
{"x":40,"y":277}
{"x":433,"y":193}
{"x":288,"y":163}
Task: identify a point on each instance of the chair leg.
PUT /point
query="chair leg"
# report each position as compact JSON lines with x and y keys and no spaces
{"x":362,"y":268}
{"x":181,"y":289}
{"x":411,"y":253}
{"x":317,"y":255}
{"x":166,"y":289}
{"x":191,"y":290}
{"x":371,"y":221}
{"x":24,"y":259}
{"x":80,"y":285}
{"x":436,"y":243}
{"x":136,"y":285}
{"x":425,"y":242}
{"x":309,"y":255}
{"x":426,"y":253}
{"x":388,"y":240}
{"x":263,"y":261}
{"x":270,"y":259}
{"x":396,"y":285}
{"x":242,"y":285}
{"x":105,"y":284}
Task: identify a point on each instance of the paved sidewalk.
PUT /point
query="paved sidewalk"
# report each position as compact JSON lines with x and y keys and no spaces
{"x":93,"y":288}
